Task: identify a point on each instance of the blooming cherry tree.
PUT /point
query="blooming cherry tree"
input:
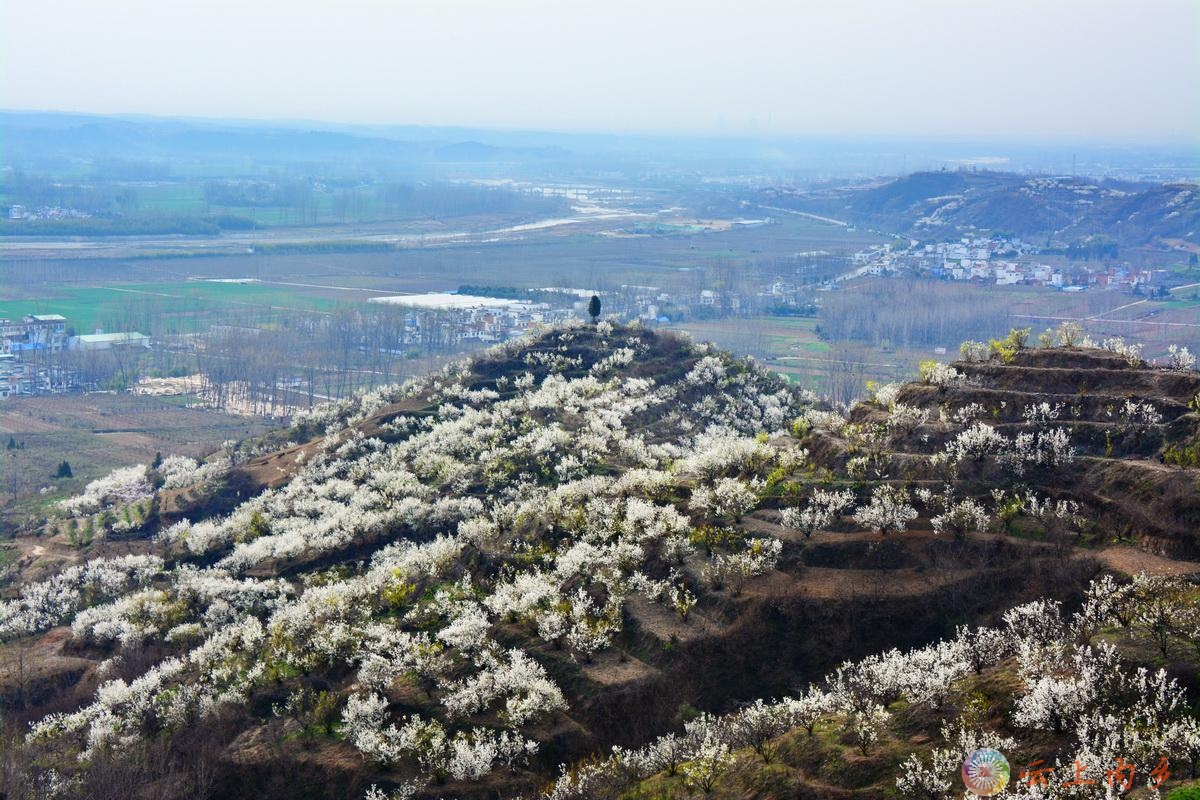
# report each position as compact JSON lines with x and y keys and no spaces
{"x":887,"y":512}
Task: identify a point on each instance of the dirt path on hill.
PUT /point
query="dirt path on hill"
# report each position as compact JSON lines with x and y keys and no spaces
{"x":1131,"y":561}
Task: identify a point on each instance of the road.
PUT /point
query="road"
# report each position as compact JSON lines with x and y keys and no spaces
{"x":245,"y":242}
{"x":817,"y":217}
{"x":1124,"y":321}
{"x":835,"y":361}
{"x":1104,"y":314}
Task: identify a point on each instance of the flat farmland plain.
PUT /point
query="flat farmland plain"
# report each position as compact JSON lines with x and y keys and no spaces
{"x":791,"y":347}
{"x":1153,"y":323}
{"x":166,"y":307}
{"x":99,"y":432}
{"x":96,"y":292}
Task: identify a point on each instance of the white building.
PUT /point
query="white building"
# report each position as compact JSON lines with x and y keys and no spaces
{"x":107,"y":341}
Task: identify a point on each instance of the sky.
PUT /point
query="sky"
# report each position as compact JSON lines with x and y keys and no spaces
{"x":1003,"y":70}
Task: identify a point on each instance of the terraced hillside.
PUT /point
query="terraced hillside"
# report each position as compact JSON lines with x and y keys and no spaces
{"x":1130,"y":428}
{"x":1072,"y":705}
{"x":581,"y":541}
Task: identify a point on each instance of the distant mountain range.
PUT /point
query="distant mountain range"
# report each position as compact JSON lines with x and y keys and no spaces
{"x":41,"y":141}
{"x":33,"y":136}
{"x":1059,"y":210}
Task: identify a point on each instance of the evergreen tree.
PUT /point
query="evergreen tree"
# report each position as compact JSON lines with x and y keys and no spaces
{"x":594,"y":307}
{"x":64,"y":470}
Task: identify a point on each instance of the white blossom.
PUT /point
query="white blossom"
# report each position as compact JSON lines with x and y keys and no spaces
{"x":887,"y":512}
{"x":1180,"y":359}
{"x":822,"y":509}
{"x":119,"y":487}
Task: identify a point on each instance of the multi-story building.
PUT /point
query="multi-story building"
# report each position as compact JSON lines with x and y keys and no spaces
{"x":33,"y":332}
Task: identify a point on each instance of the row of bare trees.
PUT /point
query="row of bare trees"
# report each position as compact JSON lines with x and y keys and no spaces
{"x":303,"y":358}
{"x":912,"y":313}
{"x":262,"y":360}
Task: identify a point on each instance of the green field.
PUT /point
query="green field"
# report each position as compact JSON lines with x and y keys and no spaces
{"x":175,"y":307}
{"x":170,"y":198}
{"x":790,"y":347}
{"x":763,"y":337}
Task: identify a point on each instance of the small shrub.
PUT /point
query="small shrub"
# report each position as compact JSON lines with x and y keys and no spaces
{"x":1178,"y":358}
{"x":973,"y":351}
{"x":1008,"y":347}
{"x":1069,"y":334}
{"x":1183,"y":454}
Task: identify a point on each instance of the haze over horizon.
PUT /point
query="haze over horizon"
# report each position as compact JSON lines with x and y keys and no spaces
{"x":1103,"y":72}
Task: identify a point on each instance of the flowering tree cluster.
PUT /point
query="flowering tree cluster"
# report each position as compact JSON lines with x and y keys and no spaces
{"x":936,"y":373}
{"x":960,"y":517}
{"x":119,"y":487}
{"x":728,"y":497}
{"x":180,"y":472}
{"x":1041,"y":447}
{"x":531,"y":507}
{"x":1132,"y":353}
{"x":51,"y":602}
{"x":820,"y":512}
{"x":887,"y":512}
{"x":1136,"y":416}
{"x":1180,"y":359}
{"x":539,"y":499}
{"x":120,"y":499}
{"x":1104,"y":707}
{"x":973,"y":351}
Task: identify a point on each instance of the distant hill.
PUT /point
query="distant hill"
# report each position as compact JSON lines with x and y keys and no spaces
{"x":34,"y":137}
{"x":1062,"y":210}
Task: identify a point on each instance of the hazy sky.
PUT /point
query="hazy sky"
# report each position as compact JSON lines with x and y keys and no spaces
{"x":1000,"y":70}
